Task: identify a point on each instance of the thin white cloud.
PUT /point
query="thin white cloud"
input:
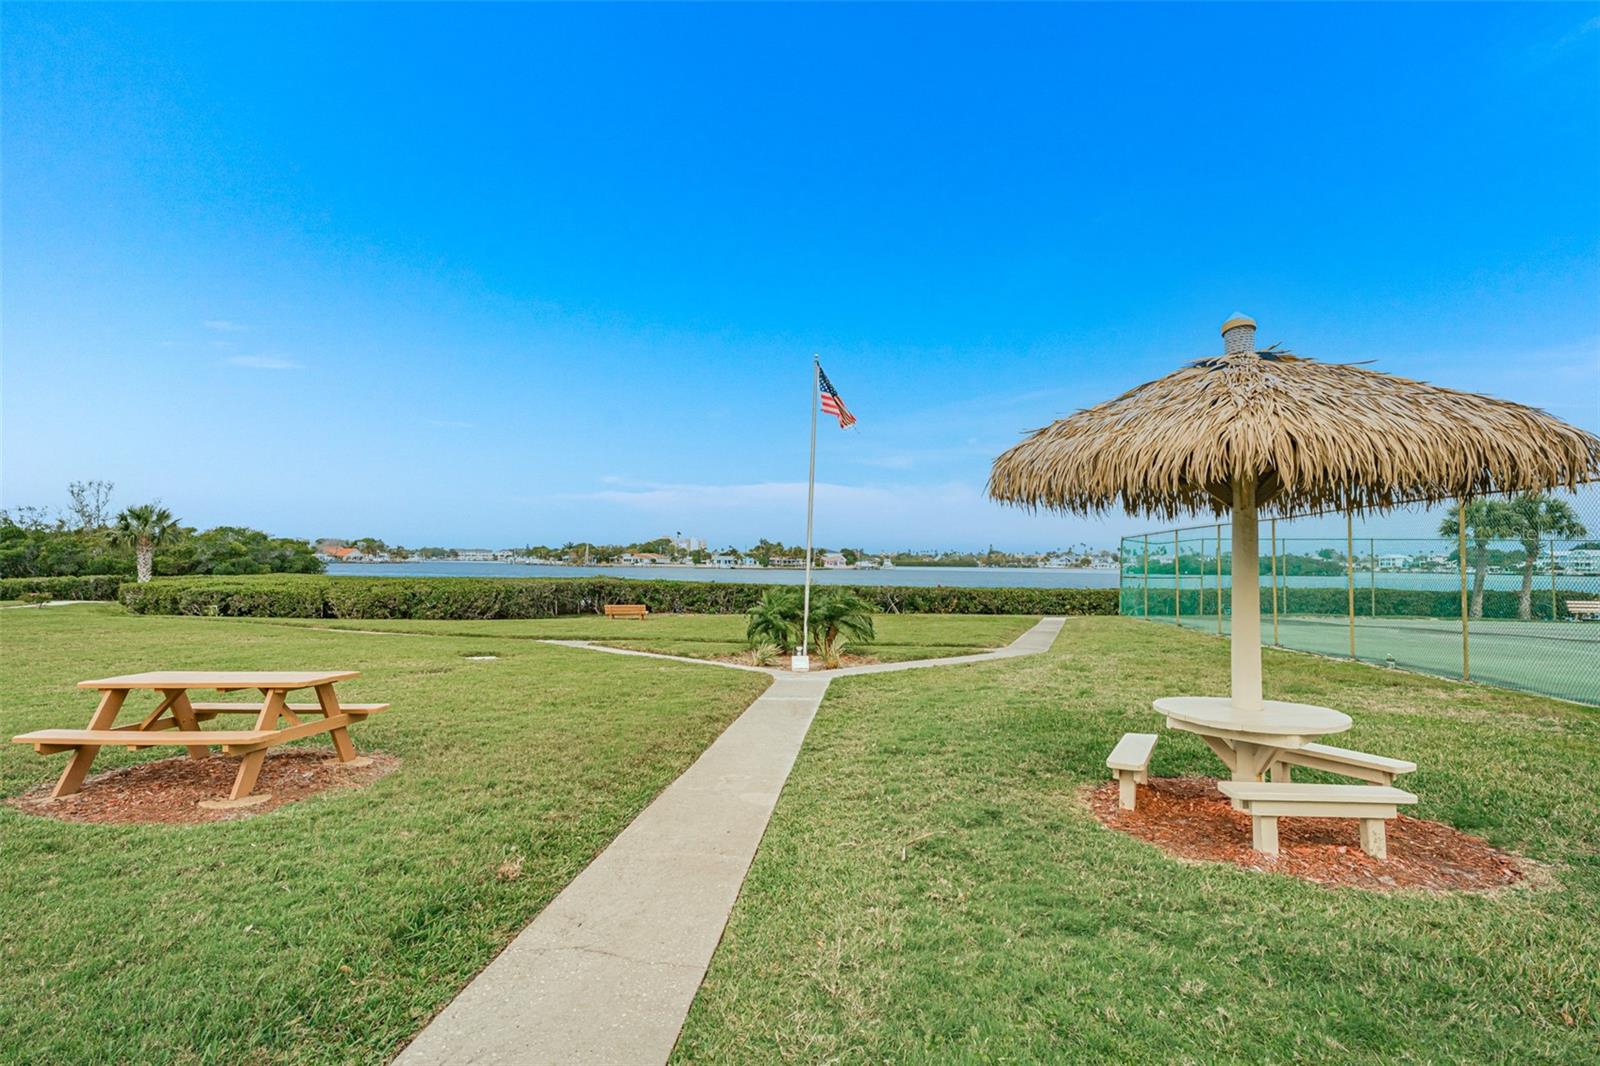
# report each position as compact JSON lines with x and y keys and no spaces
{"x":263,"y":362}
{"x":222,"y":325}
{"x":1591,"y":26}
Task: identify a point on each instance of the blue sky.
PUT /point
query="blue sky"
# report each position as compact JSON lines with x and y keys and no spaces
{"x":495,"y":275}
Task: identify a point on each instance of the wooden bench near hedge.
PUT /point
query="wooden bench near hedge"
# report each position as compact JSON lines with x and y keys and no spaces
{"x":627,"y":610}
{"x":1583,"y":610}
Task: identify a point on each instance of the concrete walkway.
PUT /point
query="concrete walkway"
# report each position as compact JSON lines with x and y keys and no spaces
{"x":607,"y":971}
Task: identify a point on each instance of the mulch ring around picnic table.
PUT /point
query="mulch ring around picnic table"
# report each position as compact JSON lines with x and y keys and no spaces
{"x":168,"y":791}
{"x":1188,"y":818}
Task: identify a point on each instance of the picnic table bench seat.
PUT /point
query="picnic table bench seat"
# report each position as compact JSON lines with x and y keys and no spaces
{"x":1129,"y":762}
{"x":1583,"y":609}
{"x":1266,"y":802}
{"x":1378,"y":769}
{"x":50,"y":741}
{"x":626,"y":610}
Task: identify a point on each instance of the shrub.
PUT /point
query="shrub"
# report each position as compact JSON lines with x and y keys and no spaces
{"x":837,"y":615}
{"x":316,"y":596}
{"x":93,"y":587}
{"x":776,"y":619}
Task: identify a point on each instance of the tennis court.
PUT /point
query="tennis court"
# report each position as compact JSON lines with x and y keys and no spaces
{"x":1554,"y":658}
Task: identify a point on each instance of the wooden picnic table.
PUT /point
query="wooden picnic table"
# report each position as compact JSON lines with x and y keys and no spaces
{"x":176,"y":720}
{"x":1250,"y":742}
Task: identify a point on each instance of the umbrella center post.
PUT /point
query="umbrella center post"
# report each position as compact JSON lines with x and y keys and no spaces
{"x":1246,"y":641}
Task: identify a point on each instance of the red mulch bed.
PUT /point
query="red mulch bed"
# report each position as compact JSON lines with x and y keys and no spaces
{"x":1189,"y":818}
{"x":167,"y":791}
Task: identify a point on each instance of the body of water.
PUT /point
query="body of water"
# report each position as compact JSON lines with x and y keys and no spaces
{"x":919,"y":576}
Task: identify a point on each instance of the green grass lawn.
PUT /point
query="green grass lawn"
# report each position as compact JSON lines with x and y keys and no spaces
{"x":709,"y":636}
{"x":931,"y":889}
{"x":329,"y":930}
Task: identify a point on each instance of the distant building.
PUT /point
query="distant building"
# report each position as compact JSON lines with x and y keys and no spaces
{"x":834,"y":561}
{"x":1584,"y":561}
{"x":724,"y":561}
{"x":1394,"y":561}
{"x":645,"y":559}
{"x":340,"y":553}
{"x":475,"y":555}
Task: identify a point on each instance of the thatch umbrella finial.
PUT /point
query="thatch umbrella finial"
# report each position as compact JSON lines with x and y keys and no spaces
{"x":1238,"y":334}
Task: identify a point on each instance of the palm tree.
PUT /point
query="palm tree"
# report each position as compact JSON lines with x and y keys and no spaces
{"x":1534,"y":515}
{"x":1486,"y":520}
{"x":776,"y":619}
{"x":836,"y":614}
{"x":144,"y":527}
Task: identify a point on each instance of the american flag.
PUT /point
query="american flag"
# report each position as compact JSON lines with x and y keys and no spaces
{"x":831,"y":404}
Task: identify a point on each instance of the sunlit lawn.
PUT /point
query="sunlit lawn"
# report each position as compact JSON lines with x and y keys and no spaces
{"x":708,"y":636}
{"x":932,"y":890}
{"x":328,"y":930}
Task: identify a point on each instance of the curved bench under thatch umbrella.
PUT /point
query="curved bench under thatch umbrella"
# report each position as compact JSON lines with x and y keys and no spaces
{"x":1252,"y":430}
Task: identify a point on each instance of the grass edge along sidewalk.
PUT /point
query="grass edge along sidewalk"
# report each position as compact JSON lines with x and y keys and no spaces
{"x":931,"y":889}
{"x":326,"y":931}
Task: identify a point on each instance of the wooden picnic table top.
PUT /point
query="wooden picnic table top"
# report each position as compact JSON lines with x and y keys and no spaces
{"x":222,"y":680}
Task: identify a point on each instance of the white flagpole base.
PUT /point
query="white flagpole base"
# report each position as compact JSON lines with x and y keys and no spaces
{"x":800,"y":663}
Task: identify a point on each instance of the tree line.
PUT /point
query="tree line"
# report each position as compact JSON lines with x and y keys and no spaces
{"x":90,"y":537}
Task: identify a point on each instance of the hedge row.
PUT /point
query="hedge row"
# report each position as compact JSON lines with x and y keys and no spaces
{"x":1391,"y":603}
{"x":94,"y":587}
{"x":305,"y":596}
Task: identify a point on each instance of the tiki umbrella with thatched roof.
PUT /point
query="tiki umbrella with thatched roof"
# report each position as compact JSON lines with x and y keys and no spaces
{"x":1250,"y":430}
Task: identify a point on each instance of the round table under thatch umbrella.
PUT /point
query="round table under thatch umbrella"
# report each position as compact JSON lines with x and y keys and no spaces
{"x":1250,"y":431}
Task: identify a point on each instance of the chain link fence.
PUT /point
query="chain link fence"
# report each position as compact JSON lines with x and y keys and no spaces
{"x":1511,"y":599}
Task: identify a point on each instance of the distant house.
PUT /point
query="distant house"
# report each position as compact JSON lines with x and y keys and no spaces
{"x":834,"y":561}
{"x":724,"y":561}
{"x":475,"y":555}
{"x":340,"y":553}
{"x":645,"y":559}
{"x":1394,"y":561}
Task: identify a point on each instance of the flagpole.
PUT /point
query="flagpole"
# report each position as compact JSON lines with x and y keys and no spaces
{"x":803,"y":660}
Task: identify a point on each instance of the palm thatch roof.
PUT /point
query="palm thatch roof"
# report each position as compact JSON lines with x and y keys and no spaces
{"x":1314,"y":436}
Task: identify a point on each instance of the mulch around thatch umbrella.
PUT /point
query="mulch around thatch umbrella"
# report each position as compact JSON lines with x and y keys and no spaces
{"x":168,"y":791}
{"x":1188,"y":818}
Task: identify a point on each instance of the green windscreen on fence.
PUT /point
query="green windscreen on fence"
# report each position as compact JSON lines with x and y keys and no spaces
{"x":1344,"y":588}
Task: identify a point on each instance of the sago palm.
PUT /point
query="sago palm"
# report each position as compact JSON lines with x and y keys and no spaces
{"x":837,"y":616}
{"x":775,"y":620}
{"x":143,"y":527}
